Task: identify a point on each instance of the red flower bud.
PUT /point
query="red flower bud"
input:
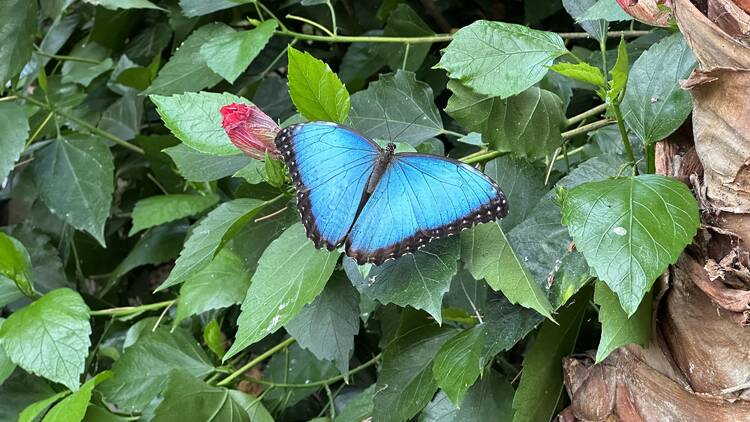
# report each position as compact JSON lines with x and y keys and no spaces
{"x":652,"y":12}
{"x":250,"y":129}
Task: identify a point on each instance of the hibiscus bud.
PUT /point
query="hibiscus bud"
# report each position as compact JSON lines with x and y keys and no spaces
{"x":652,"y":12}
{"x":250,"y":129}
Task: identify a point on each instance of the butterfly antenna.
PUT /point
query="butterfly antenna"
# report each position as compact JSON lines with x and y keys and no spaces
{"x":387,"y":126}
{"x":409,"y":125}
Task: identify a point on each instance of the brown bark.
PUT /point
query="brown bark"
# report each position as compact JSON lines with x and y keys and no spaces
{"x":697,"y":367}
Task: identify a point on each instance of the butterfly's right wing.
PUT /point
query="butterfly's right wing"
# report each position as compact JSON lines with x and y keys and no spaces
{"x":330,"y":166}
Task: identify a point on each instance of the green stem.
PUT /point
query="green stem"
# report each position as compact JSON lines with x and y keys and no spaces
{"x":39,"y":129}
{"x":610,"y":34}
{"x":452,"y":133}
{"x":62,"y":57}
{"x":586,"y":114}
{"x":260,"y":358}
{"x":624,"y":135}
{"x":586,"y":128}
{"x":311,"y":23}
{"x":85,"y":124}
{"x":479,"y":158}
{"x":651,"y":158}
{"x":356,"y":39}
{"x":320,"y":383}
{"x":333,"y":17}
{"x":129,"y":310}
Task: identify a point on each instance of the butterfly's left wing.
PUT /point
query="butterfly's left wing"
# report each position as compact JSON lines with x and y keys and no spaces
{"x":421,"y":197}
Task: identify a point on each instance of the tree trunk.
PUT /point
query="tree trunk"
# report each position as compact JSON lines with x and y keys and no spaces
{"x":697,"y":367}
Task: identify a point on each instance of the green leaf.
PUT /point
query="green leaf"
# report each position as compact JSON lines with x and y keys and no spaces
{"x":655,"y":105}
{"x":405,"y":383}
{"x":193,"y":8}
{"x":541,"y":385}
{"x":315,"y":90}
{"x":596,"y":28}
{"x":16,"y":264}
{"x":73,"y":407}
{"x":6,"y":365}
{"x":83,"y":73}
{"x":214,"y":338}
{"x":459,"y":363}
{"x":15,"y":129}
{"x":487,"y":400}
{"x":210,"y":235}
{"x":295,"y":366}
{"x":143,"y":369}
{"x":500,"y":59}
{"x":20,"y":390}
{"x":124,"y":4}
{"x":617,"y":329}
{"x":523,"y":185}
{"x":418,"y":280}
{"x":187,"y":398}
{"x":221,"y":283}
{"x":17,"y":32}
{"x":194,"y":118}
{"x":359,"y":407}
{"x":397,"y":104}
{"x":158,"y":245}
{"x":582,"y":71}
{"x":50,"y":337}
{"x":186,"y":70}
{"x":528,"y":124}
{"x":9,"y":292}
{"x":487,"y":255}
{"x":75,"y":176}
{"x":630,"y":229}
{"x":403,"y":21}
{"x":290,"y":274}
{"x":31,"y":412}
{"x":252,"y":406}
{"x":47,"y":271}
{"x":229,"y":55}
{"x":197,"y":166}
{"x":156,"y":210}
{"x":253,"y":173}
{"x":607,"y":10}
{"x":327,"y":326}
{"x":619,"y":73}
{"x":505,"y":324}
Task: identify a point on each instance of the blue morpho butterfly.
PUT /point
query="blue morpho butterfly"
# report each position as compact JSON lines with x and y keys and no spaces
{"x":381,"y":203}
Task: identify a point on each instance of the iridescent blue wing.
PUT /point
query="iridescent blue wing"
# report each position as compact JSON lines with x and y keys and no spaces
{"x":419,"y":198}
{"x":330,"y":166}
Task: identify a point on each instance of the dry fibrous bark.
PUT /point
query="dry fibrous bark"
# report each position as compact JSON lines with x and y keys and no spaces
{"x":697,"y":367}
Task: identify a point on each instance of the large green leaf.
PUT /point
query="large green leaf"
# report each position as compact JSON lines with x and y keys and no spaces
{"x":500,"y":59}
{"x":83,"y":72}
{"x":359,"y":407}
{"x":290,"y":274}
{"x":596,"y":28}
{"x":528,"y":124}
{"x":655,"y":105}
{"x":73,"y":407}
{"x":487,"y":255}
{"x":630,"y":229}
{"x":75,"y":176}
{"x":210,"y":235}
{"x":50,"y":337}
{"x":608,"y":10}
{"x":489,"y":399}
{"x":316,"y":91}
{"x":6,"y":365}
{"x":253,"y":406}
{"x":397,"y":105}
{"x":418,"y":280}
{"x":295,"y":366}
{"x":47,"y":271}
{"x":505,"y":324}
{"x":33,"y":411}
{"x":541,"y":385}
{"x":617,"y":329}
{"x":17,"y":32}
{"x":405,"y":382}
{"x":124,"y":4}
{"x":19,"y":391}
{"x":229,"y":55}
{"x":158,"y":245}
{"x":195,"y":119}
{"x":221,"y":283}
{"x":459,"y":363}
{"x":187,"y":398}
{"x":156,"y":210}
{"x":327,"y":326}
{"x":523,"y":185}
{"x":143,"y":369}
{"x":186,"y":70}
{"x":14,"y":128}
{"x":197,"y":166}
{"x":193,"y":8}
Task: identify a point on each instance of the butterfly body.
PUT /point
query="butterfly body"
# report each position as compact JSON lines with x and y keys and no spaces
{"x":379,"y":203}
